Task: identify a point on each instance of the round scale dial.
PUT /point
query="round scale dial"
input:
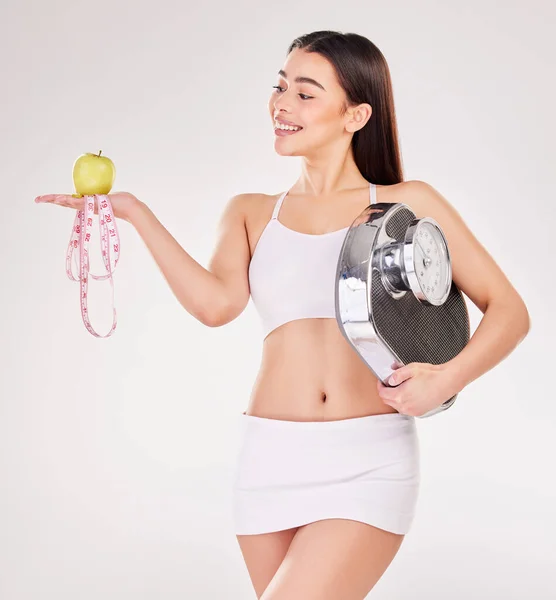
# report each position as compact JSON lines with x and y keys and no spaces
{"x":428,"y":260}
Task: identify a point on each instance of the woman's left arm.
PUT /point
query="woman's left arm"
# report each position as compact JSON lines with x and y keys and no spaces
{"x":505,"y":321}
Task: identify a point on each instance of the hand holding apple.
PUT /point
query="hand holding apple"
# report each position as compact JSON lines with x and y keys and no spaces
{"x":93,"y":174}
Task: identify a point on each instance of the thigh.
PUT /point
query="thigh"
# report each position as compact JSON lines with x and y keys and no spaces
{"x":263,"y":554}
{"x":331,"y":559}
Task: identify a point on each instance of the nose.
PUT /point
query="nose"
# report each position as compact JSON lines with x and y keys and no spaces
{"x":281,"y":103}
{"x":282,"y":108}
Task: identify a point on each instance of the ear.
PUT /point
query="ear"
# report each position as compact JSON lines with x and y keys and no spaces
{"x":358,"y":116}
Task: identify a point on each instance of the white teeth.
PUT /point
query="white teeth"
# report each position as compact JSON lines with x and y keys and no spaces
{"x":278,"y":125}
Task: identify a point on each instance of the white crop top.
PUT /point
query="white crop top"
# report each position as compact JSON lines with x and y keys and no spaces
{"x":292,"y":275}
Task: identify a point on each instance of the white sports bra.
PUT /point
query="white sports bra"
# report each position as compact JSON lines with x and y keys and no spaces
{"x":292,"y":275}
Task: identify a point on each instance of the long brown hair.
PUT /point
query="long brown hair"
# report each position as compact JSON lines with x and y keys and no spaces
{"x":363,"y":73}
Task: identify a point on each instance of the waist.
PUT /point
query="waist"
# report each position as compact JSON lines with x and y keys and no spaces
{"x":313,"y":377}
{"x":309,"y":407}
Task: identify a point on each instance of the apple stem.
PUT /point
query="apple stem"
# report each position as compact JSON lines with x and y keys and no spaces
{"x":99,"y":152}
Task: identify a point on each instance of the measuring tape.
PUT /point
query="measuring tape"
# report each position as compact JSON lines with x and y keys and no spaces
{"x":110,"y":246}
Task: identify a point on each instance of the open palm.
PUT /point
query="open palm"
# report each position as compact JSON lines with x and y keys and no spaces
{"x":122,"y":202}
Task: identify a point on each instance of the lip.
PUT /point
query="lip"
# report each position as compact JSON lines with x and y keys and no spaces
{"x":285,"y":122}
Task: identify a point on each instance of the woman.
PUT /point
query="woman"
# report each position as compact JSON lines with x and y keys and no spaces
{"x":327,"y":475}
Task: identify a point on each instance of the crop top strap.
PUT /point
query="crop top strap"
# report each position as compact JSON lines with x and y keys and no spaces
{"x":373,"y":193}
{"x":278,"y":205}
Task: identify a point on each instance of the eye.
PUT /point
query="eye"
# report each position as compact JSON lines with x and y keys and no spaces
{"x":277,"y":87}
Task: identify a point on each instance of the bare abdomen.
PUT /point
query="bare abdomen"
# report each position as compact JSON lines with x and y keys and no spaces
{"x":309,"y":372}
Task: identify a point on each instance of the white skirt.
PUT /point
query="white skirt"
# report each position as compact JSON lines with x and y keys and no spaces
{"x":290,"y":473}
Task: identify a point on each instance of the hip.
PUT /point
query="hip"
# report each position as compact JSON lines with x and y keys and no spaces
{"x":274,"y":451}
{"x":289,"y":473}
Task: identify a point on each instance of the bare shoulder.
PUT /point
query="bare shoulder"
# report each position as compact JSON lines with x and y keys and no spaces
{"x":256,"y":202}
{"x":404,"y":192}
{"x":242,"y":207}
{"x":238,"y":204}
{"x":250,"y":204}
{"x":419,"y":195}
{"x":424,"y":200}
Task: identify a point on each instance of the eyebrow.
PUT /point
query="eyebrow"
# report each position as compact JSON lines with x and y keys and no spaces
{"x":302,"y":79}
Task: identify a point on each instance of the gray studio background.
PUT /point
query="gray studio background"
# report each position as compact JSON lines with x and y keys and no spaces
{"x":116,"y":455}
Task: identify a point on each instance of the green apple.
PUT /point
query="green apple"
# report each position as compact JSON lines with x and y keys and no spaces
{"x":93,"y":174}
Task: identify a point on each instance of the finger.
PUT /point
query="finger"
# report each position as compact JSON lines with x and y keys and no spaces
{"x":383,"y":390}
{"x":45,"y":198}
{"x":55,"y":198}
{"x":68,"y":200}
{"x":387,"y":395}
{"x":398,"y":378}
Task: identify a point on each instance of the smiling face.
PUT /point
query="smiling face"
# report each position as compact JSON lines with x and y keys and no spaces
{"x":309,"y":95}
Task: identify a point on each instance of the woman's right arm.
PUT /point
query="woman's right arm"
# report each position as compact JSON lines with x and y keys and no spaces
{"x":216,"y":295}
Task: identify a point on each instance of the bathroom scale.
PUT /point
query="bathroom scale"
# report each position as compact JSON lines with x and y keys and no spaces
{"x":395,"y":298}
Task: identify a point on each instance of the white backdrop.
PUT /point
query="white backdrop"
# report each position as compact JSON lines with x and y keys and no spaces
{"x":116,"y":455}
